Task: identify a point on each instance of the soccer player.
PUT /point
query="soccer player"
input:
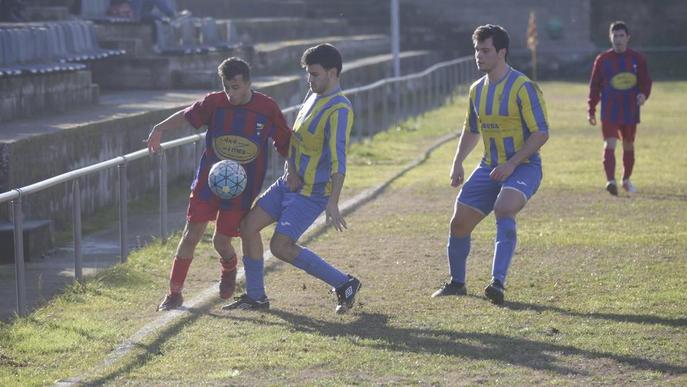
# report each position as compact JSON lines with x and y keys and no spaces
{"x":312,"y":183}
{"x":240,"y":123}
{"x":507,"y":110}
{"x":620,"y":78}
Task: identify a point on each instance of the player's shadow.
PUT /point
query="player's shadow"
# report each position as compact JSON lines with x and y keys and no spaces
{"x":632,"y":318}
{"x":376,"y":333}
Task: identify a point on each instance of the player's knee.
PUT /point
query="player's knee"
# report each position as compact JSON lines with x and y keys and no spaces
{"x":222,"y":245}
{"x":190,"y":239}
{"x":280,"y":247}
{"x":248,"y":227}
{"x":504,"y":211}
{"x":459,"y":229}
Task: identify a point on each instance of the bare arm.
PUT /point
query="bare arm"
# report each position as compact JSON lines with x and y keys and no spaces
{"x":594,"y":90}
{"x":332,"y":210}
{"x":174,"y":121}
{"x":292,"y":179}
{"x":468,"y":141}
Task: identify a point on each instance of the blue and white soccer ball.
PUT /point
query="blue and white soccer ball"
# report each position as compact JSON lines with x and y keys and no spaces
{"x":227,"y":179}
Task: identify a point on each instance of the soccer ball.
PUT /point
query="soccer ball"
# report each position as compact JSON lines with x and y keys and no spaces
{"x":227,"y":179}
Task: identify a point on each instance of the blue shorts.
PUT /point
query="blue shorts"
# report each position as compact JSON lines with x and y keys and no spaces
{"x":480,"y":191}
{"x":293,"y":212}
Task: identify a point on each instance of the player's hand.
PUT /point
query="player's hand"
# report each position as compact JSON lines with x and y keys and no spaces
{"x":293,"y":181}
{"x":501,"y":172}
{"x":153,"y":140}
{"x":641,"y":98}
{"x":334,"y":217}
{"x":592,"y":119}
{"x":457,"y":175}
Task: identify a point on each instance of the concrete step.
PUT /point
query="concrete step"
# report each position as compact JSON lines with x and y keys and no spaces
{"x":247,"y":31}
{"x":43,"y":13}
{"x":126,"y":32}
{"x":226,"y":9}
{"x":290,"y":89}
{"x":259,"y":30}
{"x":275,"y":58}
{"x":283,"y":57}
{"x":356,"y":12}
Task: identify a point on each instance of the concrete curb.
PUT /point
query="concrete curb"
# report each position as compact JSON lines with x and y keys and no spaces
{"x":208,"y":295}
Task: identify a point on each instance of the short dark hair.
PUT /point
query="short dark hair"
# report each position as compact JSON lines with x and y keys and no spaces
{"x":618,"y":25}
{"x":324,"y":55}
{"x":499,"y":36}
{"x":231,"y":67}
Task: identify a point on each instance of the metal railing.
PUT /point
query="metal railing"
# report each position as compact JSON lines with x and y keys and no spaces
{"x":377,"y":107}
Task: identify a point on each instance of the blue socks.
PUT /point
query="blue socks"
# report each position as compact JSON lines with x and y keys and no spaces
{"x":255,"y":277}
{"x":458,"y":250}
{"x":506,"y":238}
{"x":312,"y":264}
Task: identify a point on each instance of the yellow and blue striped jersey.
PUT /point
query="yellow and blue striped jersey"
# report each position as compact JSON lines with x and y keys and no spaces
{"x":506,"y":113}
{"x":320,"y":141}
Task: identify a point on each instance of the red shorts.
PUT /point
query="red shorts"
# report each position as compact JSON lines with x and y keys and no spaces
{"x":623,"y":132}
{"x":227,"y":221}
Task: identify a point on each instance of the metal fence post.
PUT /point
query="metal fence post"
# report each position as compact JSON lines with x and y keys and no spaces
{"x":76,"y":206}
{"x":370,"y":113}
{"x":163,"y":195}
{"x":385,"y":106}
{"x":428,"y":92}
{"x":19,"y":255}
{"x":357,"y":124}
{"x":397,"y":102}
{"x":123,"y":214}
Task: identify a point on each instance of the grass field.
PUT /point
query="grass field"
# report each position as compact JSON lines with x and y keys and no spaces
{"x":595,"y":294}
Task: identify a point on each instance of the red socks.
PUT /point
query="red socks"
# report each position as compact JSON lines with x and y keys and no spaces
{"x":609,"y":164}
{"x":178,"y":274}
{"x":628,"y":163}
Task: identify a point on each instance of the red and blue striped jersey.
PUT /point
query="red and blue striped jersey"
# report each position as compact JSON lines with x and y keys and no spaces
{"x":616,"y":80}
{"x":240,"y":133}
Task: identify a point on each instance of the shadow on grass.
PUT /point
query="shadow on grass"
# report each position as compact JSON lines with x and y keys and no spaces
{"x":633,"y":318}
{"x":509,"y":350}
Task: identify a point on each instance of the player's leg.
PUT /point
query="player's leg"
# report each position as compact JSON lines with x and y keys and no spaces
{"x":516,"y":191}
{"x":294,"y":221}
{"x":628,"y":135}
{"x":266,"y":210}
{"x":253,"y":262}
{"x":191,"y":236}
{"x":473,"y":203}
{"x":227,"y":227}
{"x":610,"y":134}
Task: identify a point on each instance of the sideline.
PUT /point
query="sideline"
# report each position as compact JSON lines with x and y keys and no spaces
{"x":208,"y":295}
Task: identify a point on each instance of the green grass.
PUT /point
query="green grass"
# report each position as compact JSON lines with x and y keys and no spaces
{"x":595,"y":292}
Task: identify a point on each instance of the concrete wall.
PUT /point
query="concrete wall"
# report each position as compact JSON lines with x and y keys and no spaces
{"x":651,"y":23}
{"x":39,"y":157}
{"x":563,"y":27}
{"x":31,"y":95}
